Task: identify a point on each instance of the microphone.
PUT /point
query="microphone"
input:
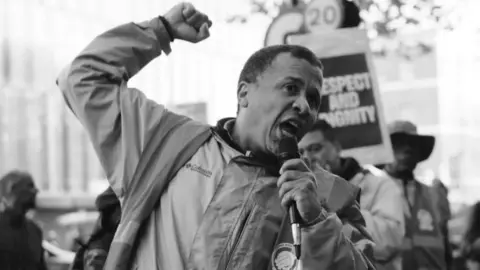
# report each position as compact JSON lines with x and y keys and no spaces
{"x":288,"y":149}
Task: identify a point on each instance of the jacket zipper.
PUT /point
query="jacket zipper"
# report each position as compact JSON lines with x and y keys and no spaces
{"x":240,"y":236}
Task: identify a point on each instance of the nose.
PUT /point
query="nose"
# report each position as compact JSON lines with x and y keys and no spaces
{"x":306,"y":157}
{"x":301,"y":105}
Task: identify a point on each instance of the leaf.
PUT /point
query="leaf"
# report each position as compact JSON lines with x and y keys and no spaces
{"x":412,"y":21}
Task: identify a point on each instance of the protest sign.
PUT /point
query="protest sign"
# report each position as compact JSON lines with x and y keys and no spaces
{"x":351,"y":101}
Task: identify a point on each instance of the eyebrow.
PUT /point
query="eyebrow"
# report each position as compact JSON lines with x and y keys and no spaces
{"x":295,"y":79}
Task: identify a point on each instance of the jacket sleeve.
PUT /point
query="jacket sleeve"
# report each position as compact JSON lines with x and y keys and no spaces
{"x":445,"y":215}
{"x":118,"y":120}
{"x":385,"y":219}
{"x":338,"y":243}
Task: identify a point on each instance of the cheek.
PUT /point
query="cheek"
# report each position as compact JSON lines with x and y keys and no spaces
{"x":260,"y":107}
{"x":321,"y":155}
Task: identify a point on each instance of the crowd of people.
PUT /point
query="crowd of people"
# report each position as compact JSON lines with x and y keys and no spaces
{"x":185,"y":195}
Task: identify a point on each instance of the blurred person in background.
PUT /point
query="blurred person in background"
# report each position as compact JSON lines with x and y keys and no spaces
{"x":426,"y":244}
{"x":470,"y":247}
{"x":92,"y":255}
{"x":380,"y":200}
{"x":20,"y":238}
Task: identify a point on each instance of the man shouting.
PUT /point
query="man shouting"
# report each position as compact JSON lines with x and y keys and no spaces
{"x":196,"y":197}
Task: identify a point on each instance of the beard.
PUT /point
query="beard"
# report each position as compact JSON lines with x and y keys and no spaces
{"x":26,"y":202}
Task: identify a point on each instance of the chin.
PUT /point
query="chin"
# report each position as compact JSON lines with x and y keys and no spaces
{"x":31,"y":204}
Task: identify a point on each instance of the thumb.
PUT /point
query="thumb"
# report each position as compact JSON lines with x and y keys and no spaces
{"x":203,"y":33}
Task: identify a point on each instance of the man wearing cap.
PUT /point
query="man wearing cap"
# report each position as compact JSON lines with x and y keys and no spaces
{"x":380,"y":199}
{"x":20,"y":238}
{"x":426,"y":243}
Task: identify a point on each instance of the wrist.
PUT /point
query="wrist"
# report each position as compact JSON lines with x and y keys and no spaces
{"x":168,"y":27}
{"x":321,"y":217}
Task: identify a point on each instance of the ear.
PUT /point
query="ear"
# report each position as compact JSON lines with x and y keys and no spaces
{"x":242,"y":94}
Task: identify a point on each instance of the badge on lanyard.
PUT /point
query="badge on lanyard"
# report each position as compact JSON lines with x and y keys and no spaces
{"x":284,"y":258}
{"x":425,"y":220}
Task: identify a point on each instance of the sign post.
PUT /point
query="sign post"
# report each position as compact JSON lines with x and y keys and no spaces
{"x":290,"y":21}
{"x":321,"y":15}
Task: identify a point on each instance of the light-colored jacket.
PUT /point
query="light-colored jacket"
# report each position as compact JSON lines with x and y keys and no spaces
{"x":217,"y":210}
{"x":381,"y":203}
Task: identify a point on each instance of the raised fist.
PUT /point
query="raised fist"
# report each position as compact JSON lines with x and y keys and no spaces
{"x":187,"y":23}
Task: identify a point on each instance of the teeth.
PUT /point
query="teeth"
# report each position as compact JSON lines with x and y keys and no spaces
{"x":288,"y":133}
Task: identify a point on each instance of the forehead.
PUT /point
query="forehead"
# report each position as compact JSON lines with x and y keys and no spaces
{"x":286,"y":65}
{"x":314,"y":137}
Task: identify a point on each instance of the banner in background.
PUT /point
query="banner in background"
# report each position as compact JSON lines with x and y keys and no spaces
{"x":351,"y":101}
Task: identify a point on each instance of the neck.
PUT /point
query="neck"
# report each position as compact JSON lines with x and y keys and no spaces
{"x":14,"y":213}
{"x":400,"y":174}
{"x":243,"y":140}
{"x":239,"y":136}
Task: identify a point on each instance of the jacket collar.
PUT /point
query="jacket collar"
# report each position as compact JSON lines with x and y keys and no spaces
{"x":224,"y":129}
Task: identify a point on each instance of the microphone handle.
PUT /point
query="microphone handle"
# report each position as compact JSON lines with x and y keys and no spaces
{"x":296,"y":233}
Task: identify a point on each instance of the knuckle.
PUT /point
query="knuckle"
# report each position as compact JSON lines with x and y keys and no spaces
{"x":311,"y":177}
{"x":288,"y":175}
{"x":310,"y":184}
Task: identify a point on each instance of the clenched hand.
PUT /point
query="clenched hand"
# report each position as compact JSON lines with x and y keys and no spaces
{"x":297,"y":184}
{"x":187,"y":23}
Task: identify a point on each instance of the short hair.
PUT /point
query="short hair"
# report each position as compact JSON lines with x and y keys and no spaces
{"x":258,"y":62}
{"x":326,"y":129}
{"x":12,"y":177}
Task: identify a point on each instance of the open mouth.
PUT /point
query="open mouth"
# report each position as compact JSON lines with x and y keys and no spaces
{"x":290,"y":128}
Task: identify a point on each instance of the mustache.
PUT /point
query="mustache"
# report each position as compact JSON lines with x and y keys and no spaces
{"x":316,"y":165}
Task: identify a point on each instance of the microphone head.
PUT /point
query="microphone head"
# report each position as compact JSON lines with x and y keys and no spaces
{"x":288,"y":149}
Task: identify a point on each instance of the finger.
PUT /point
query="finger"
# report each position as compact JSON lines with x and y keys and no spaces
{"x":203,"y":33}
{"x":285,"y":188}
{"x":291,"y":197}
{"x":188,"y":11}
{"x":196,"y":20}
{"x":304,"y":184}
{"x":289,"y":176}
{"x":296,"y":164}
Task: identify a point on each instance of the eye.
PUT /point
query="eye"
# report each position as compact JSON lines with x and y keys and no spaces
{"x":316,"y":148}
{"x":292,"y":88}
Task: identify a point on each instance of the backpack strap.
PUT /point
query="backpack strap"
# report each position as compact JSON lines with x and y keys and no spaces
{"x":179,"y":144}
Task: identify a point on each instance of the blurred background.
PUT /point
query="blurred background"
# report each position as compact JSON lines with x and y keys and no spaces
{"x":425,"y":53}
